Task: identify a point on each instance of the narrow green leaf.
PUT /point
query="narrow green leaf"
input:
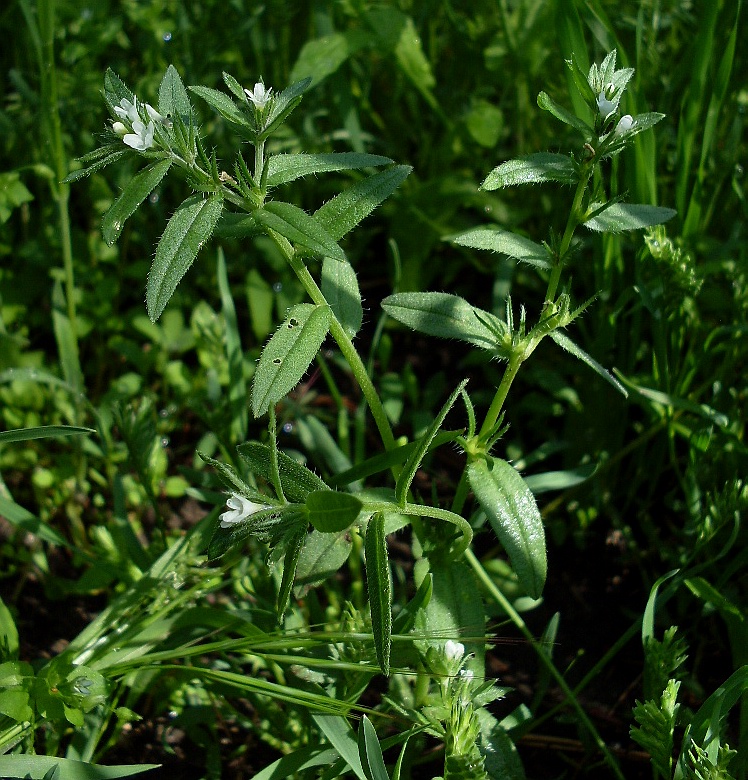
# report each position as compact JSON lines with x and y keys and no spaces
{"x":343,"y":212}
{"x":406,"y":617}
{"x":283,"y":104}
{"x":340,"y":288}
{"x":297,"y":480}
{"x":22,"y":518}
{"x":627,"y":216}
{"x":189,"y":228}
{"x":221,"y":103}
{"x":443,"y":315}
{"x":340,"y":735}
{"x":566,"y":343}
{"x":548,"y":104}
{"x":514,"y":517}
{"x":287,"y":355}
{"x":497,"y":240}
{"x":534,"y":169}
{"x":38,"y":767}
{"x":370,"y":752}
{"x":331,"y":512}
{"x":297,"y":226}
{"x":43,"y":432}
{"x":380,"y":589}
{"x":283,"y":168}
{"x":136,"y":191}
{"x":294,"y":546}
{"x":172,"y":96}
{"x":416,"y":457}
{"x":115,"y":154}
{"x":559,"y":480}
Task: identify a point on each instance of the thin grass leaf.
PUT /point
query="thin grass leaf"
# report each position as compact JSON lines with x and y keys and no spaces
{"x":23,"y":519}
{"x":288,"y":354}
{"x":379,"y":586}
{"x":43,"y":432}
{"x":340,"y":735}
{"x":189,"y":228}
{"x":136,"y":191}
{"x":370,"y":751}
{"x":38,"y":767}
{"x":343,"y":212}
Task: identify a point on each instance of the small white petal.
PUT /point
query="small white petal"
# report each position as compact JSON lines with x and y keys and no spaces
{"x":240,"y":509}
{"x":605,"y":106}
{"x":259,"y":95}
{"x":625,"y":123}
{"x":153,"y":114}
{"x":127,"y":110}
{"x":119,"y":128}
{"x":454,"y":650}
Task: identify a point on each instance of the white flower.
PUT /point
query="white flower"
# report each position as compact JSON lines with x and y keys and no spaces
{"x":127,"y":110}
{"x":604,"y":106}
{"x":119,"y":128}
{"x":453,"y":650}
{"x":259,"y":95}
{"x":466,"y":675}
{"x":141,"y":137}
{"x":153,"y":114}
{"x":239,"y":509}
{"x":625,"y":123}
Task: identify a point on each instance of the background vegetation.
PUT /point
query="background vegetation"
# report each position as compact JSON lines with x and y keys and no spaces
{"x":115,"y":524}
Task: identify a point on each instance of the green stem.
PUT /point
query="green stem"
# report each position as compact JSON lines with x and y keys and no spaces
{"x":343,"y":341}
{"x":545,"y":659}
{"x":492,"y":416}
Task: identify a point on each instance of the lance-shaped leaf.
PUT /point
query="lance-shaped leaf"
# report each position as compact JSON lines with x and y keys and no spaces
{"x":627,"y":216}
{"x":298,"y":227}
{"x":288,"y":354}
{"x":189,"y":228}
{"x":296,"y":479}
{"x":294,"y":547}
{"x":343,"y":212}
{"x":514,"y":517}
{"x":112,"y":153}
{"x":232,"y":481}
{"x":331,"y":512}
{"x":444,"y":315}
{"x":566,"y":343}
{"x":548,"y":104}
{"x":416,"y":457}
{"x":136,"y":191}
{"x":283,"y":168}
{"x":370,"y":752}
{"x":270,"y":525}
{"x":534,"y":169}
{"x":340,"y":288}
{"x":173,"y":100}
{"x":380,"y":589}
{"x":221,"y":103}
{"x":115,"y":90}
{"x":497,"y":240}
{"x":283,"y":104}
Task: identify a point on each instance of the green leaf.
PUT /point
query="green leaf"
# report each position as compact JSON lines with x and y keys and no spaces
{"x":115,"y":89}
{"x":380,"y":589}
{"x":172,"y":97}
{"x":221,"y":103}
{"x":22,"y":518}
{"x":331,"y":512}
{"x":340,"y":735}
{"x":321,"y":57}
{"x":117,"y":152}
{"x":548,"y":104}
{"x":294,"y":546}
{"x":283,"y":104}
{"x":339,"y":285}
{"x":416,"y":457}
{"x":189,"y":228}
{"x":497,"y":240}
{"x":322,"y":556}
{"x":514,"y":516}
{"x":297,"y":226}
{"x":343,"y":212}
{"x":627,"y":216}
{"x":370,"y":752}
{"x":283,"y":168}
{"x":559,"y":480}
{"x":534,"y":169}
{"x":443,"y":315}
{"x":296,"y":479}
{"x":566,"y":343}
{"x":287,"y":355}
{"x":38,"y":767}
{"x":43,"y":432}
{"x":136,"y":191}
{"x":269,"y":525}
